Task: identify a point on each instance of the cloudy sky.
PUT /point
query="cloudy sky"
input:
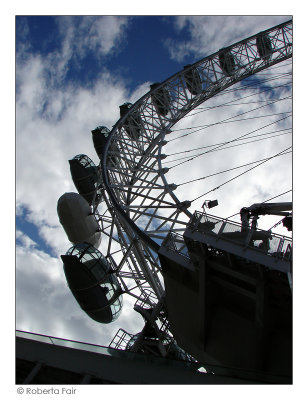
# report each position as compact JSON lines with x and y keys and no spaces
{"x":72,"y":73}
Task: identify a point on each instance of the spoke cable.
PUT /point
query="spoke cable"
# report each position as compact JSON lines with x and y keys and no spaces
{"x":265,"y":201}
{"x":231,"y":104}
{"x":227,"y":119}
{"x":228,"y":170}
{"x":245,"y":172}
{"x":217,"y":144}
{"x":230,"y":141}
{"x":253,"y":85}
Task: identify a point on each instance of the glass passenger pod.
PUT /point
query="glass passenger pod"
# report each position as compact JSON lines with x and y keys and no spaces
{"x":93,"y":282}
{"x":99,"y":137}
{"x":77,"y":220}
{"x":161,"y":99}
{"x":264,"y":45}
{"x":84,"y":175}
{"x":133,"y":123}
{"x":227,"y":62}
{"x":192,"y":79}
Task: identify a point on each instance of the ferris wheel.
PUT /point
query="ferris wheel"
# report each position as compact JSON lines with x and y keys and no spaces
{"x":128,"y":207}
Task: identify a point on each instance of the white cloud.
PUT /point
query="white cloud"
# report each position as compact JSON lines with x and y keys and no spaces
{"x":45,"y":305}
{"x":210,"y":33}
{"x":268,"y":180}
{"x":25,"y":240}
{"x":47,"y":137}
{"x":80,"y":35}
{"x":53,"y":124}
{"x":105,"y":35}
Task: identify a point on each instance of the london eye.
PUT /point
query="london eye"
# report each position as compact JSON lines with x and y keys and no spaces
{"x":140,"y":226}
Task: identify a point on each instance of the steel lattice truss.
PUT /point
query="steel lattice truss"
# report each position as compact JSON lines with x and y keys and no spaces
{"x":137,"y":207}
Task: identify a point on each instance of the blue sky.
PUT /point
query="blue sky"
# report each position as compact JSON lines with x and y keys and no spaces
{"x":72,"y":73}
{"x":140,"y":53}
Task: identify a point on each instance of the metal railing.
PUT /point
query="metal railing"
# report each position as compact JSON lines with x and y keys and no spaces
{"x":262,"y":241}
{"x":119,"y":344}
{"x":121,"y":340}
{"x":175,"y":242}
{"x":65,"y":342}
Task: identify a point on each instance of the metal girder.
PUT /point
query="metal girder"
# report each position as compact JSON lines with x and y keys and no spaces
{"x":247,"y":62}
{"x":135,"y":184}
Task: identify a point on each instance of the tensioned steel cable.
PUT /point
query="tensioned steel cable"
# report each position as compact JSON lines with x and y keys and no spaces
{"x":216,"y":144}
{"x":223,"y":148}
{"x":275,"y":225}
{"x":244,"y":87}
{"x":265,"y":201}
{"x":272,"y":198}
{"x":228,"y":170}
{"x":214,"y":124}
{"x":230,"y":141}
{"x":243,"y":173}
{"x":232,"y":103}
{"x":225,"y":120}
{"x":255,"y":84}
{"x":253,"y":81}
